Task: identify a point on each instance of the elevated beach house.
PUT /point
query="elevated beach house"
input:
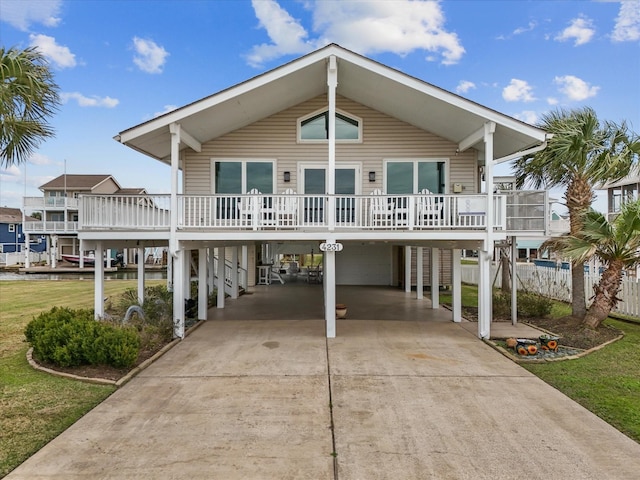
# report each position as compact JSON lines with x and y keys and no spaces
{"x":386,"y":174}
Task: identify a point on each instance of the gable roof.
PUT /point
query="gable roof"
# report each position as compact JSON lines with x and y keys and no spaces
{"x":360,"y":79}
{"x":13,"y":215}
{"x":76,"y":182}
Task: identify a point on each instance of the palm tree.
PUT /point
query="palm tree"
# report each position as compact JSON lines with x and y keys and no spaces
{"x":616,"y":244}
{"x":28,"y":95}
{"x":582,"y":153}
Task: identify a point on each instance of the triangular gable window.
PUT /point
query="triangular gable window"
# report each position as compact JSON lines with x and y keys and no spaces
{"x":315,"y":127}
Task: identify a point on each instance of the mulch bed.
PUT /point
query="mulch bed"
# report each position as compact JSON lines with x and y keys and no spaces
{"x":570,"y":330}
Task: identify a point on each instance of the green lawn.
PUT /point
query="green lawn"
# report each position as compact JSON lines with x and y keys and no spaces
{"x":36,"y":407}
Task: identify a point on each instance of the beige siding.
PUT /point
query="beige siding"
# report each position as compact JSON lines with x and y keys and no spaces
{"x":108,"y":187}
{"x":275,"y":138}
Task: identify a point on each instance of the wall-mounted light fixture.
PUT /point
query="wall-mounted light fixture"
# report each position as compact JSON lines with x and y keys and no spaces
{"x":287,"y":177}
{"x":372,"y":176}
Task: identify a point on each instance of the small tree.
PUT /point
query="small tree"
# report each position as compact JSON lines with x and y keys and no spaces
{"x":28,"y":95}
{"x":616,"y":244}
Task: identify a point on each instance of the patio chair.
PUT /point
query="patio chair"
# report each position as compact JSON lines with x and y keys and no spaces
{"x":429,"y":208}
{"x":287,"y":209}
{"x":249,"y":208}
{"x":380,"y":210}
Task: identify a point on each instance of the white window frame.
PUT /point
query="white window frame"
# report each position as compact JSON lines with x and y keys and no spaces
{"x":320,"y":140}
{"x":243,"y":174}
{"x":415,"y":162}
{"x":12,"y":228}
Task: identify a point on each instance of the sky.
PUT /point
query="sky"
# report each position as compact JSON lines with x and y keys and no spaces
{"x":120,"y":63}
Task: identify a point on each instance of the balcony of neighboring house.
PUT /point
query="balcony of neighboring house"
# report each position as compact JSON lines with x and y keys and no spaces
{"x":256,"y":212}
{"x":51,"y":203}
{"x":51,"y":227}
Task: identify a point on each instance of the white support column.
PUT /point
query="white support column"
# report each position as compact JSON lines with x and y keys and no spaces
{"x":514,"y":282}
{"x":419,"y":273}
{"x":220,"y":274}
{"x":332,"y":83}
{"x":174,"y":129}
{"x":169,"y":272}
{"x":203,"y":297}
{"x":108,"y":258}
{"x":140,"y":266}
{"x":407,"y":269}
{"x":235,"y":289}
{"x":98,"y":292}
{"x":211,"y":274}
{"x":435,"y":278}
{"x":49,"y":249}
{"x":456,"y":284}
{"x":244,"y":264}
{"x":330,"y":291}
{"x":81,"y":253}
{"x":484,"y":293}
{"x":27,"y":241}
{"x":54,"y":251}
{"x":178,"y":294}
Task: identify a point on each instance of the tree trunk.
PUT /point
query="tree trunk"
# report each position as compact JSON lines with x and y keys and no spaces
{"x":605,"y":298}
{"x":506,"y":272}
{"x":579,"y":196}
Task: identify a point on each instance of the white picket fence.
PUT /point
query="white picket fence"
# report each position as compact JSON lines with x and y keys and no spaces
{"x":13,"y":258}
{"x":556,"y":283}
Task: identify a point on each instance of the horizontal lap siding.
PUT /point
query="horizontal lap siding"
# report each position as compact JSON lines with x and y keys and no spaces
{"x":275,"y":138}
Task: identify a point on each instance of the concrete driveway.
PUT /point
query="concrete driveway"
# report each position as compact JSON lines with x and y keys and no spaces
{"x":274,"y":399}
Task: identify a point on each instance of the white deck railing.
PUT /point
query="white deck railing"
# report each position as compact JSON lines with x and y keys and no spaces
{"x":304,"y":212}
{"x":59,"y":203}
{"x":378,"y":212}
{"x":50,"y":227}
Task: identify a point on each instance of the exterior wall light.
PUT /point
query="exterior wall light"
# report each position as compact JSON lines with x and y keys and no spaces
{"x":372,"y":176}
{"x":287,"y":177}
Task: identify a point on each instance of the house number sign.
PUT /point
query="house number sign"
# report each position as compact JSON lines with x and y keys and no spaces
{"x":331,"y":247}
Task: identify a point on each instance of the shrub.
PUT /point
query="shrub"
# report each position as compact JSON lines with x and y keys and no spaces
{"x":530,"y":305}
{"x":67,"y":338}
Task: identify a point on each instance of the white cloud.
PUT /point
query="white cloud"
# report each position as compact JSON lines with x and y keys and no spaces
{"x":11,"y":171}
{"x":528,"y":116}
{"x":528,"y":28}
{"x":150,"y":57}
{"x":575,"y":88}
{"x":93,"y":101}
{"x":22,"y":13}
{"x":580,"y":29}
{"x":552,"y":101}
{"x":518,"y":91}
{"x":464,"y":86}
{"x":367,"y":26}
{"x":40,"y":159}
{"x":287,"y":34}
{"x":167,"y":109}
{"x":59,"y":55}
{"x":627,"y":28}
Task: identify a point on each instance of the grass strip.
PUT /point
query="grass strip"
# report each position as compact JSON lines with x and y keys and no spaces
{"x":36,"y":407}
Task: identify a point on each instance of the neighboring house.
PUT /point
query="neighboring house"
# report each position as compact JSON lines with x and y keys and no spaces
{"x":11,"y":236}
{"x":621,"y":192}
{"x":58,"y":210}
{"x":332,"y":148}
